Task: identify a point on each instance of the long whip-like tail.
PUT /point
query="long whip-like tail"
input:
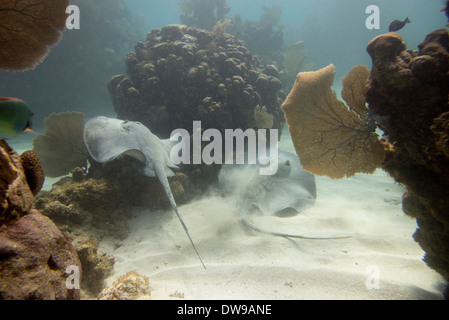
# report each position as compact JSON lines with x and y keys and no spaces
{"x":296,"y":236}
{"x":164,"y":181}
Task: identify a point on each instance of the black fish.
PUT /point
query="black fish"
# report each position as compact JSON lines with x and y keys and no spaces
{"x":397,"y":25}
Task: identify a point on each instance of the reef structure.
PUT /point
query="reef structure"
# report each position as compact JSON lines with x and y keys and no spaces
{"x":408,"y":98}
{"x":181,"y":74}
{"x":34,"y":253}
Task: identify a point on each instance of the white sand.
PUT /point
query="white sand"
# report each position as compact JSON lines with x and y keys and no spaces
{"x":243,"y":264}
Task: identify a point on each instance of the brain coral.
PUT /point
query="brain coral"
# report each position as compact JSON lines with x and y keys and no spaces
{"x":181,"y":74}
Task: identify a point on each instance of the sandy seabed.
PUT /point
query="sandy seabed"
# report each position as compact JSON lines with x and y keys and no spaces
{"x":380,"y":260}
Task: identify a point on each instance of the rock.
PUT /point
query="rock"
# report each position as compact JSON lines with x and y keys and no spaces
{"x":97,"y":266}
{"x":34,"y":256}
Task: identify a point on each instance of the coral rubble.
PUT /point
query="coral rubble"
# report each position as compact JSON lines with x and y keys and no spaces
{"x":408,"y":98}
{"x":130,"y":286}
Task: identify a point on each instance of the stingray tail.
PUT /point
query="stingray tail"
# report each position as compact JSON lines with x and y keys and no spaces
{"x":188,"y":235}
{"x":164,"y":181}
{"x":286,"y":235}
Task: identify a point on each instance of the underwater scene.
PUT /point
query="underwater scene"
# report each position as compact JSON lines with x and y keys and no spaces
{"x":224,"y":150}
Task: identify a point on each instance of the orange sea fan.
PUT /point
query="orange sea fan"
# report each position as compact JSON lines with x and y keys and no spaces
{"x":331,"y":138}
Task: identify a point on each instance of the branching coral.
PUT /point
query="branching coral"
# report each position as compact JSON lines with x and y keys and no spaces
{"x":203,"y":14}
{"x":295,"y":61}
{"x":329,"y":138}
{"x":264,"y":37}
{"x":62,"y":147}
{"x":264,"y":120}
{"x":220,"y":28}
{"x":28,"y":28}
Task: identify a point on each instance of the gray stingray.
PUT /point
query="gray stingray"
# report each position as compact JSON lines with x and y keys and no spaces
{"x":285,"y":194}
{"x":107,"y":139}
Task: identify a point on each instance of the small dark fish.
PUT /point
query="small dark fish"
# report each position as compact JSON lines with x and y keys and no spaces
{"x":397,"y":25}
{"x":15,"y":117}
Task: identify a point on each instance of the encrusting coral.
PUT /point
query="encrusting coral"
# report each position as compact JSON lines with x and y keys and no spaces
{"x":28,"y":29}
{"x":328,"y":136}
{"x":62,"y":147}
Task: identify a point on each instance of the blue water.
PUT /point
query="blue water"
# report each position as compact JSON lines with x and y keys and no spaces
{"x":334,"y":30}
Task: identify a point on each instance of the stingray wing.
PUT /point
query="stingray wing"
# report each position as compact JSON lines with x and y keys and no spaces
{"x":106,"y":139}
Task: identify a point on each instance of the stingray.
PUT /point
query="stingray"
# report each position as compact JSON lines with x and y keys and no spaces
{"x":285,"y":194}
{"x":107,"y":139}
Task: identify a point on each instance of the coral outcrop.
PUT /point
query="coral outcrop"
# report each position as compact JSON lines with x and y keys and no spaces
{"x":62,"y":148}
{"x":130,"y":286}
{"x":332,"y":138}
{"x":34,"y":253}
{"x":181,"y":74}
{"x":29,"y":29}
{"x":33,"y":267}
{"x":408,"y":98}
{"x":16,"y":194}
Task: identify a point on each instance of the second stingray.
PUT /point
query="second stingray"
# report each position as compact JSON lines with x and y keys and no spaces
{"x":285,"y":194}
